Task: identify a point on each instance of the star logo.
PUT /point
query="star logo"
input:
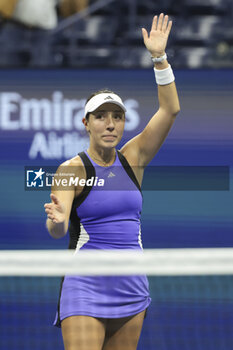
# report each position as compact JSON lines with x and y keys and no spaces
{"x":38,"y":174}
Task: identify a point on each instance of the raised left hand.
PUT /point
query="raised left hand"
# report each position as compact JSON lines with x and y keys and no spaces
{"x":156,"y":42}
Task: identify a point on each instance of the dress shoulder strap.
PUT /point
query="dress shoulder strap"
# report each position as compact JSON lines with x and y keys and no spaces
{"x":128,"y":169}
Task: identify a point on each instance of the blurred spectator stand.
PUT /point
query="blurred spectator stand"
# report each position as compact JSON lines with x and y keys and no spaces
{"x":7,"y":7}
{"x":67,"y":8}
{"x":107,"y":33}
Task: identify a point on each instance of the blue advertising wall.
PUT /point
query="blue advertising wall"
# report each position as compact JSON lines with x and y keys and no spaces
{"x":40,"y":124}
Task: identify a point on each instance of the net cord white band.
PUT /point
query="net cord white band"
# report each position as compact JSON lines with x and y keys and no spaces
{"x":163,"y":262}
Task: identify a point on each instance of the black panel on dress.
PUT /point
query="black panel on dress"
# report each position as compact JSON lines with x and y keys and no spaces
{"x":74,"y":227}
{"x":128,"y":169}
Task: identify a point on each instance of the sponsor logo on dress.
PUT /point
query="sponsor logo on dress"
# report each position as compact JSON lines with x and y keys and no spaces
{"x":111,"y":174}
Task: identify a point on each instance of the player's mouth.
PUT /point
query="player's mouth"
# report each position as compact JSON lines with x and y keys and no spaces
{"x":109,"y":137}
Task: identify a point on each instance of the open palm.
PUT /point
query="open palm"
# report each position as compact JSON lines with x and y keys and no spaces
{"x":55,"y":210}
{"x":156,"y":42}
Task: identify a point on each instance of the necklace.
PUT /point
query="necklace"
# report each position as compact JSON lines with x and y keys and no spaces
{"x":100,"y":160}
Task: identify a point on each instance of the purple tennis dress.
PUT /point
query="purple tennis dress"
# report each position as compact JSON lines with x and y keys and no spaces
{"x":107,"y":218}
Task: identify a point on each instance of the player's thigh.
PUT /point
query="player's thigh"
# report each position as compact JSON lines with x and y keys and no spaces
{"x":83,"y":333}
{"x":124,"y":333}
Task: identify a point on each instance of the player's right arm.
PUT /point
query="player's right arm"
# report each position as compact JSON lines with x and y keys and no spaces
{"x":58,"y":211}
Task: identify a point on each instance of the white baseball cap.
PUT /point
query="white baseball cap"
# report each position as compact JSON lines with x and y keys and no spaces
{"x":102,"y":98}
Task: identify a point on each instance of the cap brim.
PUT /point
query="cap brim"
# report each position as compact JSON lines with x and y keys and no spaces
{"x":113,"y":102}
{"x":101,"y":99}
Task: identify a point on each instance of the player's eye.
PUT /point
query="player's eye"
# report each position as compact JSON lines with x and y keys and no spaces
{"x":99,"y":116}
{"x":118,"y":116}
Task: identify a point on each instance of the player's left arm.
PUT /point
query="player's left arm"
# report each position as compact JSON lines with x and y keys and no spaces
{"x":144,"y":146}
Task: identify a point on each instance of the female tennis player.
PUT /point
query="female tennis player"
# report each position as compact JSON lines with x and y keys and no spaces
{"x":107,"y":313}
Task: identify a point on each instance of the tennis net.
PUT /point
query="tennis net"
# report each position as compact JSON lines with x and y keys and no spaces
{"x":191,"y":291}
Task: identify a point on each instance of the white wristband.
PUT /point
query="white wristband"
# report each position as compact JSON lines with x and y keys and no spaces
{"x":164,"y":76}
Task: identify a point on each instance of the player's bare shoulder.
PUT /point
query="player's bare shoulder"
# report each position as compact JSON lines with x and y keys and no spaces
{"x":76,"y":164}
{"x":74,"y":168}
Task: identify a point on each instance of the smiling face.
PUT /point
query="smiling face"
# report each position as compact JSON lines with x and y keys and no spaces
{"x":105,"y":125}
